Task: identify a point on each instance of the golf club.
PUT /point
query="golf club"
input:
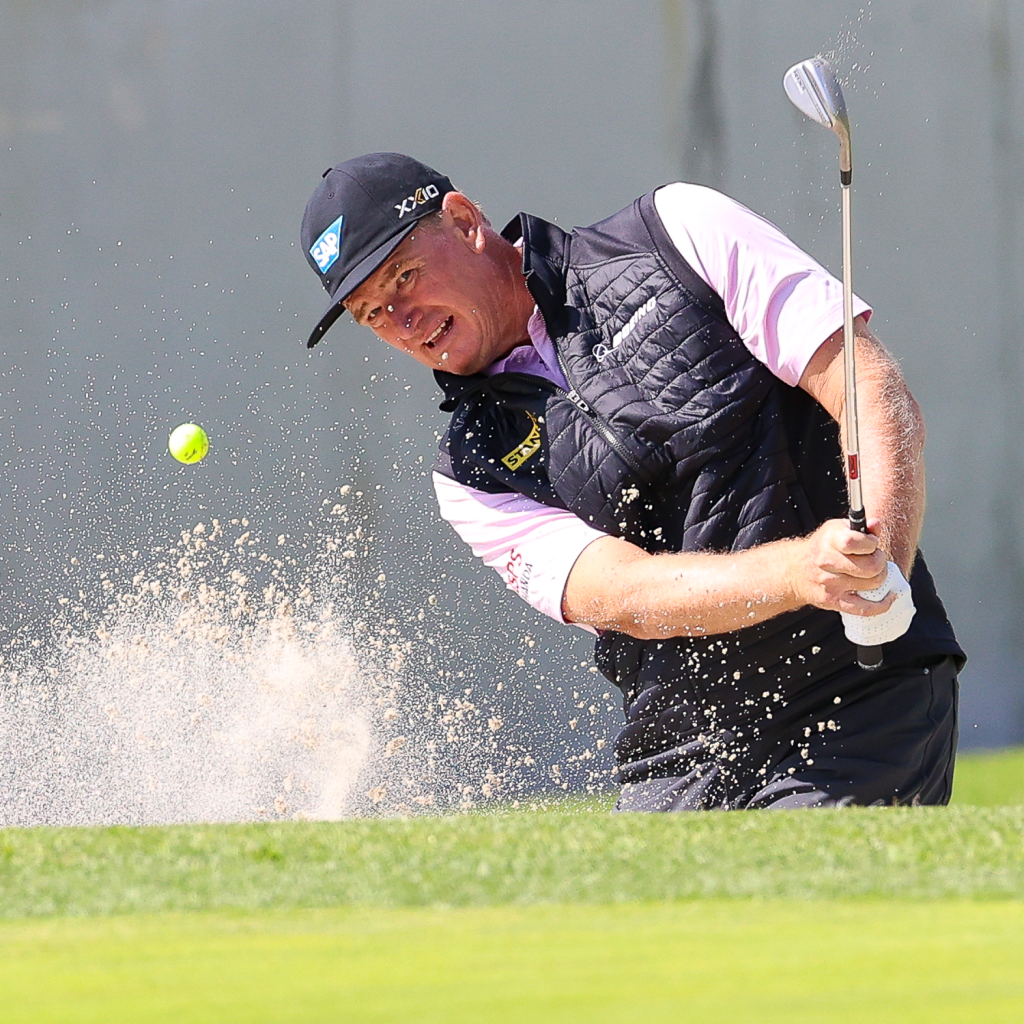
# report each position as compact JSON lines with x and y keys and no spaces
{"x":814,"y":90}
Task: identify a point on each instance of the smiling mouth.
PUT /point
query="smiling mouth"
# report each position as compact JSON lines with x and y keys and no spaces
{"x":442,"y":330}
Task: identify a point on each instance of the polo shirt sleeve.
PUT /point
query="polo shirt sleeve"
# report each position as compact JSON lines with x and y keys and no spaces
{"x":782,"y":303}
{"x":533,"y":547}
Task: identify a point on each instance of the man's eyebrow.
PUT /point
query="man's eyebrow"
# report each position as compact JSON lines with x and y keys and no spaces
{"x":358,"y":311}
{"x":392,"y":272}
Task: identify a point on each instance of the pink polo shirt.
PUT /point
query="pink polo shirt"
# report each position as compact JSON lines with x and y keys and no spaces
{"x":781,"y":303}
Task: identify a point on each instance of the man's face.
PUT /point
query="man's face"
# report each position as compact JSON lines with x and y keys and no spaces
{"x":443,"y":298}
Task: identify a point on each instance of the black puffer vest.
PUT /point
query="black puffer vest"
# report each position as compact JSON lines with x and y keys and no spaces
{"x":675,"y":438}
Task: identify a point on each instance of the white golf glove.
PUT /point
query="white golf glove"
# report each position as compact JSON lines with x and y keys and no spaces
{"x":873,"y":630}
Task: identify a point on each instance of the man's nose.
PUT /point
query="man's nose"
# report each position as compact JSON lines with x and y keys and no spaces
{"x":405,"y":318}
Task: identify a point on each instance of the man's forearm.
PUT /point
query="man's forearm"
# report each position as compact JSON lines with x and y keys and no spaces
{"x":685,"y":594}
{"x":891,"y":438}
{"x":617,"y":585}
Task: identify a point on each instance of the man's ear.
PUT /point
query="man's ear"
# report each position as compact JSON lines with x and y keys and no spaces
{"x":465,"y":218}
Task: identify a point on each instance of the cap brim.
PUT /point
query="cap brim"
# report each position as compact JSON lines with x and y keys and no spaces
{"x":352,"y":280}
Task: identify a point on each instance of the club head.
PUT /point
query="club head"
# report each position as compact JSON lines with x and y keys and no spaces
{"x":814,"y":90}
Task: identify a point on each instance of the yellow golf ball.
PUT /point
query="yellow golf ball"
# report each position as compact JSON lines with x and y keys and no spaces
{"x":188,"y":443}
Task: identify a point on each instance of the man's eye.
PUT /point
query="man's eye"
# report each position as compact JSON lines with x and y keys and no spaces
{"x":406,"y":276}
{"x":372,"y":316}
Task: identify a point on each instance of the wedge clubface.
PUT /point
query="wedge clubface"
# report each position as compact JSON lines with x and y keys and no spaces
{"x":814,"y":90}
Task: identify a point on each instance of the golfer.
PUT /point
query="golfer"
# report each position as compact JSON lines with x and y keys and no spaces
{"x":644,"y":442}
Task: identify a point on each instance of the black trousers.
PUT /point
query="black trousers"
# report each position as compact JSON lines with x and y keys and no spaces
{"x":890,"y":740}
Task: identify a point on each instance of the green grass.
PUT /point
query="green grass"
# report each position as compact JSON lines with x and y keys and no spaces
{"x":990,"y":778}
{"x":546,"y":857}
{"x":566,"y":914}
{"x":714,"y":960}
{"x":563,"y":855}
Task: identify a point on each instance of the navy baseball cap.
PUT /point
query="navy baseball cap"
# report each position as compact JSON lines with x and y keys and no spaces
{"x":358,"y":215}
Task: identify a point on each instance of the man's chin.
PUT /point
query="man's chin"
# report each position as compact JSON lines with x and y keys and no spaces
{"x":458,"y":371}
{"x":451,"y":362}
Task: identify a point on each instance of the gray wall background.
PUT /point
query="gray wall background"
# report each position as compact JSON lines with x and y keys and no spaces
{"x":155,"y":157}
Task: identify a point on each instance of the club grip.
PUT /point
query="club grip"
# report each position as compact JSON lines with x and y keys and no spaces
{"x":868,"y":658}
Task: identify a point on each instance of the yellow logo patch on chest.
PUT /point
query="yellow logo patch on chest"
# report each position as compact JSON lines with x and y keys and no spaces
{"x":529,"y":446}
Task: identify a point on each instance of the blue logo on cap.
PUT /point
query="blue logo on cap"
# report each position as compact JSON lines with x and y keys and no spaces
{"x":327,"y":248}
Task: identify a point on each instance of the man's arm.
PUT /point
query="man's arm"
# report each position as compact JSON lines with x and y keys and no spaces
{"x":574,"y":573}
{"x":891,"y":432}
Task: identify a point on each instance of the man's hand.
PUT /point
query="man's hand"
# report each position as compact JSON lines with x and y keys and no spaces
{"x":833,"y":564}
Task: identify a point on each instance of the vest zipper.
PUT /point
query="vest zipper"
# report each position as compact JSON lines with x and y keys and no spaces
{"x":600,"y":424}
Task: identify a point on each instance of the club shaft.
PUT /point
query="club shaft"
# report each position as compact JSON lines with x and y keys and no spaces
{"x":850,"y":367}
{"x":867,"y":657}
